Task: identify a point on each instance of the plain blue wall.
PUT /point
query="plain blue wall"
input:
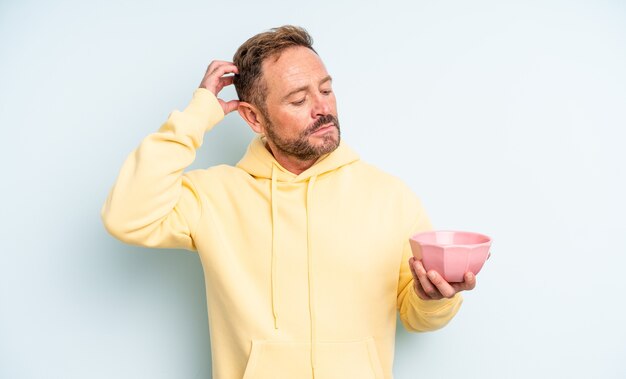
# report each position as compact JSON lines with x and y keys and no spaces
{"x":505,"y":117}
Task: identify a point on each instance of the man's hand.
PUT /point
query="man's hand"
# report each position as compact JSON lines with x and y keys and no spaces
{"x":432,"y":286}
{"x":214,"y":80}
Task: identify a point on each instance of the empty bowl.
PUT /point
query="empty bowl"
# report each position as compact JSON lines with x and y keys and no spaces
{"x":451,"y":253}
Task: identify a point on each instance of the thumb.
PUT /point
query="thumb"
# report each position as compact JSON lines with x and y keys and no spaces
{"x":229,"y":106}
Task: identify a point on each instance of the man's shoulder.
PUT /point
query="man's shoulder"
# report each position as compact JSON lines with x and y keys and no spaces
{"x":223,"y":172}
{"x":378,"y":175}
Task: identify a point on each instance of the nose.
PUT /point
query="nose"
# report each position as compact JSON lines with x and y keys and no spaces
{"x":322,"y":105}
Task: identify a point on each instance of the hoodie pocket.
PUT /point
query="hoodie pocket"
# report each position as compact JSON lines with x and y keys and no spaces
{"x":348,"y":359}
{"x":278,"y":360}
{"x":334,"y":360}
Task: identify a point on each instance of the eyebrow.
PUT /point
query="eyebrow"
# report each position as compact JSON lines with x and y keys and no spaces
{"x":303,"y":88}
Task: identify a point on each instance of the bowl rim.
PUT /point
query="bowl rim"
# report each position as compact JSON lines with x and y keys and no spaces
{"x":487,"y":242}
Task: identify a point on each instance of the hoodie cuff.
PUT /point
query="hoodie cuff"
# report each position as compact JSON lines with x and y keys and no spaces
{"x":204,"y":106}
{"x":429,"y":307}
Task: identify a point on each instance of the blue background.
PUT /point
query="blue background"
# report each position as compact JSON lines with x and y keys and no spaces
{"x":505,"y":117}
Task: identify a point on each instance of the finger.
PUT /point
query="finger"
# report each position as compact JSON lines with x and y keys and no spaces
{"x":440,"y":283}
{"x":214,"y":74}
{"x":469,"y":283}
{"x":420,"y":291}
{"x":222,"y":69}
{"x":224,"y":81}
{"x":426,"y":284}
{"x":215,"y":64}
{"x":411,"y":260}
{"x":416,"y":282}
{"x":229,"y":106}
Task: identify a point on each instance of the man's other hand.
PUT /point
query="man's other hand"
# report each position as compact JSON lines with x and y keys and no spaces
{"x":214,"y":80}
{"x":432,"y":286}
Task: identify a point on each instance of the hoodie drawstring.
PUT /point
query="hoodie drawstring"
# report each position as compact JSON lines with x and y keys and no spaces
{"x":259,"y":163}
{"x":309,"y":240}
{"x":274,"y":222}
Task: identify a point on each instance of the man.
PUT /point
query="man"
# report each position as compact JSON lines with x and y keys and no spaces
{"x":304,"y":246}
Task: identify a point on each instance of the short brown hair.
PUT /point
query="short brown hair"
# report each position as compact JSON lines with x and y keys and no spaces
{"x":250,"y":56}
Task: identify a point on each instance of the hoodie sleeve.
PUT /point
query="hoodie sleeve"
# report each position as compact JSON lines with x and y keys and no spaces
{"x":153,"y":203}
{"x":419,"y":315}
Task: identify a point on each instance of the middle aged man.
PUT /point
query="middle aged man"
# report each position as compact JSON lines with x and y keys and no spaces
{"x":304,"y":246}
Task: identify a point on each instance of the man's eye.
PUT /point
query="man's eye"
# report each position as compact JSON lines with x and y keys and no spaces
{"x":327,"y":91}
{"x":299,"y":102}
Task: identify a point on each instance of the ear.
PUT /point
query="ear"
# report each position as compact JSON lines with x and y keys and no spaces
{"x":253,"y":116}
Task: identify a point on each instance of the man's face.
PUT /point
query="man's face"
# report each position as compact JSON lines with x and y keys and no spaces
{"x":300,"y":109}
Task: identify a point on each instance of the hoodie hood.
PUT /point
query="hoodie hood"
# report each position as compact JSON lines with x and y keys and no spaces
{"x":260,"y":163}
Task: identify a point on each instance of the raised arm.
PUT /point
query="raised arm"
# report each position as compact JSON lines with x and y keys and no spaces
{"x":152,"y":202}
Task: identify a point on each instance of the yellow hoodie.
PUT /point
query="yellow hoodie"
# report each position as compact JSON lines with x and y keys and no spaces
{"x":303,"y":273}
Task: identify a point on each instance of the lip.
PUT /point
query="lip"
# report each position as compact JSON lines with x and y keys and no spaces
{"x":324,"y":128}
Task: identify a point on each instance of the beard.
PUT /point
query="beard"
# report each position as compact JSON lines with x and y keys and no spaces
{"x":300,"y":147}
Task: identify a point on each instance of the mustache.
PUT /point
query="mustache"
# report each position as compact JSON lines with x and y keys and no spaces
{"x":323,"y":120}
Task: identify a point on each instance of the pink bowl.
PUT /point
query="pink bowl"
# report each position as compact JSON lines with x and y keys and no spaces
{"x":451,"y":253}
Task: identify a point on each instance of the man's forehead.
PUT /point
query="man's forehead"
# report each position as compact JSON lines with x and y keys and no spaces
{"x":294,"y":68}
